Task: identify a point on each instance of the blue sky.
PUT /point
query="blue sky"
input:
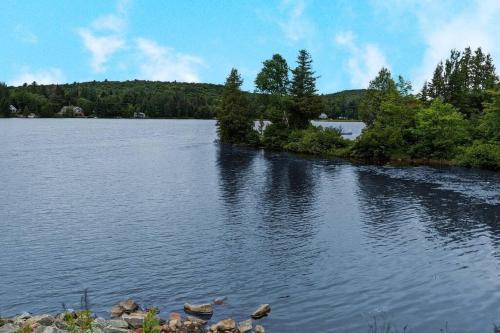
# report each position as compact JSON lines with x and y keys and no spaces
{"x":199,"y":41}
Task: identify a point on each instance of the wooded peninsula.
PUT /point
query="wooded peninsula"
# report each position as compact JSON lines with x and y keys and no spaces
{"x":453,"y":119}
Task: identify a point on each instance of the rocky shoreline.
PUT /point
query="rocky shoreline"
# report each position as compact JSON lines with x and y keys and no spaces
{"x":128,"y":317}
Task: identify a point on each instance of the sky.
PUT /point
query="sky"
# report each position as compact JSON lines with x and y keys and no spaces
{"x":59,"y":41}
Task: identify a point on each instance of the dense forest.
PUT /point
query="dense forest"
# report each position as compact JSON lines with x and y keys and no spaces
{"x":454,"y":119}
{"x":111,"y":99}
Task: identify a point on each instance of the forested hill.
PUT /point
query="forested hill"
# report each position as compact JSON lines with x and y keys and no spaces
{"x":343,"y":104}
{"x":155,"y":99}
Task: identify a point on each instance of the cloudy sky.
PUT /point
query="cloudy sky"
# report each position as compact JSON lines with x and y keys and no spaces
{"x":62,"y":41}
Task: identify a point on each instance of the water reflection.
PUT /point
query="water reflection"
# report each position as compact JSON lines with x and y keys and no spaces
{"x":445,"y":214}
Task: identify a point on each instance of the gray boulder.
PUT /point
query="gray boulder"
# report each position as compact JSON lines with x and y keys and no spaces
{"x":245,"y":326}
{"x":8,"y":328}
{"x":200,"y":309}
{"x":111,"y":329}
{"x":129,"y":305}
{"x":135,"y":319}
{"x":117,"y":323}
{"x":262,"y":311}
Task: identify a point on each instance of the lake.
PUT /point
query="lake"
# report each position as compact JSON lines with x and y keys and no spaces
{"x":155,"y":210}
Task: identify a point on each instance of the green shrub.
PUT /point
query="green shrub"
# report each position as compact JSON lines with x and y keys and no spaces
{"x":26,"y":328}
{"x":316,"y":140}
{"x":480,"y":155}
{"x":151,"y":322}
{"x":79,"y":323}
{"x":275,"y":136}
{"x":439,"y":130}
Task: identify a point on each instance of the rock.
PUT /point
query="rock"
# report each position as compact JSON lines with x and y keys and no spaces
{"x":117,"y":311}
{"x":220,"y":300}
{"x":262,"y":311}
{"x":259,"y":329}
{"x":129,"y":305}
{"x":60,"y":324}
{"x":111,"y":329}
{"x":8,"y":328}
{"x":245,"y":326}
{"x":134,"y":319}
{"x":117,"y":323}
{"x":44,"y":320}
{"x":100,"y":323}
{"x":47,"y":329}
{"x":226,"y":325}
{"x":199,"y":309}
{"x":24,"y":315}
{"x":196,"y":321}
{"x":174,"y":315}
{"x":138,"y":330}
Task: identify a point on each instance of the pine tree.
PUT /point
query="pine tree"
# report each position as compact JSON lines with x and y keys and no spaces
{"x":234,"y":120}
{"x":307,"y":104}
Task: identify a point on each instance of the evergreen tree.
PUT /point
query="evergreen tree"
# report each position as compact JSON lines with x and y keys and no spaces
{"x":306,"y":103}
{"x":234,"y":120}
{"x":4,"y":100}
{"x":273,"y":83}
{"x":381,"y":89}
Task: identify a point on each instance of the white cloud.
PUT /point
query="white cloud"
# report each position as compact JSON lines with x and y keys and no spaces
{"x":104,"y":37}
{"x":364,"y":62}
{"x":159,"y":63}
{"x":43,"y":76}
{"x":296,"y":26}
{"x":100,"y":47}
{"x":476,"y":25}
{"x":24,"y":34}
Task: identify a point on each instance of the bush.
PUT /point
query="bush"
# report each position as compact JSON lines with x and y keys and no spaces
{"x":316,"y":140}
{"x":275,"y":136}
{"x":480,"y":155}
{"x":439,"y":131}
{"x":151,"y":322}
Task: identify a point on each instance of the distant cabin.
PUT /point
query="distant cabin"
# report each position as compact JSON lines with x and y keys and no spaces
{"x":323,"y":116}
{"x":140,"y":115}
{"x":71,"y":111}
{"x":12,"y":109}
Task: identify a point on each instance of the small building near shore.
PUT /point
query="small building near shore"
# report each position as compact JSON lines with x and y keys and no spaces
{"x":12,"y":109}
{"x":71,"y":111}
{"x":140,"y":115}
{"x":323,"y":116}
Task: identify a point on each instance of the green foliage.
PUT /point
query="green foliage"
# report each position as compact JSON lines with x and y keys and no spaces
{"x":151,"y":322}
{"x":480,"y":155}
{"x":79,"y":322}
{"x":317,"y":140}
{"x":275,"y":136}
{"x":381,"y":89}
{"x":25,"y":328}
{"x":463,"y":80}
{"x":344,"y":104}
{"x":439,"y":130}
{"x":234,"y":120}
{"x":489,"y":124}
{"x":307,"y":104}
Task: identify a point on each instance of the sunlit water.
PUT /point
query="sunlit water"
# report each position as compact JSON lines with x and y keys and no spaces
{"x":155,"y":210}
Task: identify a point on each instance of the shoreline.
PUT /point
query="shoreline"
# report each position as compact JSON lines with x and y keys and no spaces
{"x":128,"y":317}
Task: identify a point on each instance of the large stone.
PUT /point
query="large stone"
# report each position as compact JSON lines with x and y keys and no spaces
{"x":61,"y":324}
{"x":117,"y":311}
{"x":44,"y":320}
{"x":47,"y":329}
{"x":134,"y":319}
{"x":199,"y":309}
{"x":245,"y":326}
{"x":117,"y":323}
{"x":226,"y":325}
{"x":111,"y":329}
{"x":196,"y":321}
{"x":259,"y":329}
{"x":129,"y":305}
{"x":8,"y":328}
{"x":262,"y":311}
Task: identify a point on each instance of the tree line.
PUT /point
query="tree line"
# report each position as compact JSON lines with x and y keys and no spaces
{"x":454,"y":119}
{"x":112,"y":99}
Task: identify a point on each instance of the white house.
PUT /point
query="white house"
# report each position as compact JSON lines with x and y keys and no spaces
{"x":71,"y":111}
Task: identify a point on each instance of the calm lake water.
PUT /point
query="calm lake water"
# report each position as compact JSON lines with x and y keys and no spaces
{"x":155,"y":210}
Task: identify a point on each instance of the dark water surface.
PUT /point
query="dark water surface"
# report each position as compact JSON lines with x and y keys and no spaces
{"x":154,"y":210}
